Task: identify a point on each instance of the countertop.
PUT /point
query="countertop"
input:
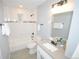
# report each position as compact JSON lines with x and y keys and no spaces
{"x":59,"y":54}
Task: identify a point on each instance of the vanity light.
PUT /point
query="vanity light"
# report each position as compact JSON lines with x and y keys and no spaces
{"x":60,"y":3}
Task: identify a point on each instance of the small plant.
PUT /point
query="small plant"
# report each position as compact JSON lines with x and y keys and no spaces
{"x":59,"y":40}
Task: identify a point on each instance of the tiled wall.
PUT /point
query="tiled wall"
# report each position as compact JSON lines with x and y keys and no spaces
{"x":16,"y":14}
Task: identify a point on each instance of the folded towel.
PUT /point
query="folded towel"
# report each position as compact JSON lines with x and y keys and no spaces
{"x":5,"y":29}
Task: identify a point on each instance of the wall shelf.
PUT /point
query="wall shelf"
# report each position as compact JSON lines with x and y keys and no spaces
{"x":20,"y":21}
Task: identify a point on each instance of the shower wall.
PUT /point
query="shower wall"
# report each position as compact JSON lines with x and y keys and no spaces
{"x":20,"y":31}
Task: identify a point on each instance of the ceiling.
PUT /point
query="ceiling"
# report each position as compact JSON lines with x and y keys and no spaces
{"x":25,"y":3}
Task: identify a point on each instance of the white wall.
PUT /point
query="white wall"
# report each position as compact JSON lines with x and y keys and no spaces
{"x":45,"y":17}
{"x":4,"y":46}
{"x":76,"y":53}
{"x":20,"y":32}
{"x":1,"y":11}
{"x":73,"y":39}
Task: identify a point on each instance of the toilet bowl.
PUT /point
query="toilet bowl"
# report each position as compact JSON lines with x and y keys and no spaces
{"x":31,"y":46}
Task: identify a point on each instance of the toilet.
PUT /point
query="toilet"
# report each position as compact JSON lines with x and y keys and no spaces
{"x":31,"y":46}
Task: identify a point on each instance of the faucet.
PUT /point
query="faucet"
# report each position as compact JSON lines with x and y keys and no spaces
{"x":54,"y":43}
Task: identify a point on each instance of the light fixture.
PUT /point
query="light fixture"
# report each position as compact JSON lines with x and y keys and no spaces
{"x":20,"y":6}
{"x":20,"y":10}
{"x":60,"y":3}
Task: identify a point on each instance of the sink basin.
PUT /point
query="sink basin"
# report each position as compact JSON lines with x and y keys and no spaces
{"x":50,"y":47}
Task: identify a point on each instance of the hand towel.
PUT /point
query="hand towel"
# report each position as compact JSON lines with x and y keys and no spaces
{"x":5,"y":29}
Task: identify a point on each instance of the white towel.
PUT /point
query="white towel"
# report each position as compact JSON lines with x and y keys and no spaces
{"x":5,"y":29}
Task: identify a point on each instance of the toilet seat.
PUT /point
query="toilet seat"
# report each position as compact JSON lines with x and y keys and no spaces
{"x":31,"y":45}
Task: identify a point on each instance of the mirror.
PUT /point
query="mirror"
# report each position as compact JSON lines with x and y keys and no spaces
{"x":61,"y":24}
{"x":60,"y":27}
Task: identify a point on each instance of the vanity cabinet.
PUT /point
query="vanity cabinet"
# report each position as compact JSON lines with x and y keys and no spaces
{"x":41,"y":54}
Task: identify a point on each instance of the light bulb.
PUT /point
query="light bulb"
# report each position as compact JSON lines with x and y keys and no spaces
{"x":21,"y":6}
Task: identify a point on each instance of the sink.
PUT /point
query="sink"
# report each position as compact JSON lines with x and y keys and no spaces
{"x":50,"y":47}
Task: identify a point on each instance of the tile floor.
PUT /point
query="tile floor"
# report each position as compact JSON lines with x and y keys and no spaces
{"x":22,"y":54}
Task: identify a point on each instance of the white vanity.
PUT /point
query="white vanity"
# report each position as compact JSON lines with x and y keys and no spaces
{"x":41,"y":54}
{"x":46,"y":50}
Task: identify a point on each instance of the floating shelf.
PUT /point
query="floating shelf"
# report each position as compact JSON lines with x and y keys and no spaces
{"x":20,"y":21}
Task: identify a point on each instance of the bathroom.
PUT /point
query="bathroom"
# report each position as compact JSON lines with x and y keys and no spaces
{"x":30,"y":27}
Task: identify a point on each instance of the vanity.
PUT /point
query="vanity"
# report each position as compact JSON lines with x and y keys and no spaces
{"x":46,"y":50}
{"x":41,"y":54}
